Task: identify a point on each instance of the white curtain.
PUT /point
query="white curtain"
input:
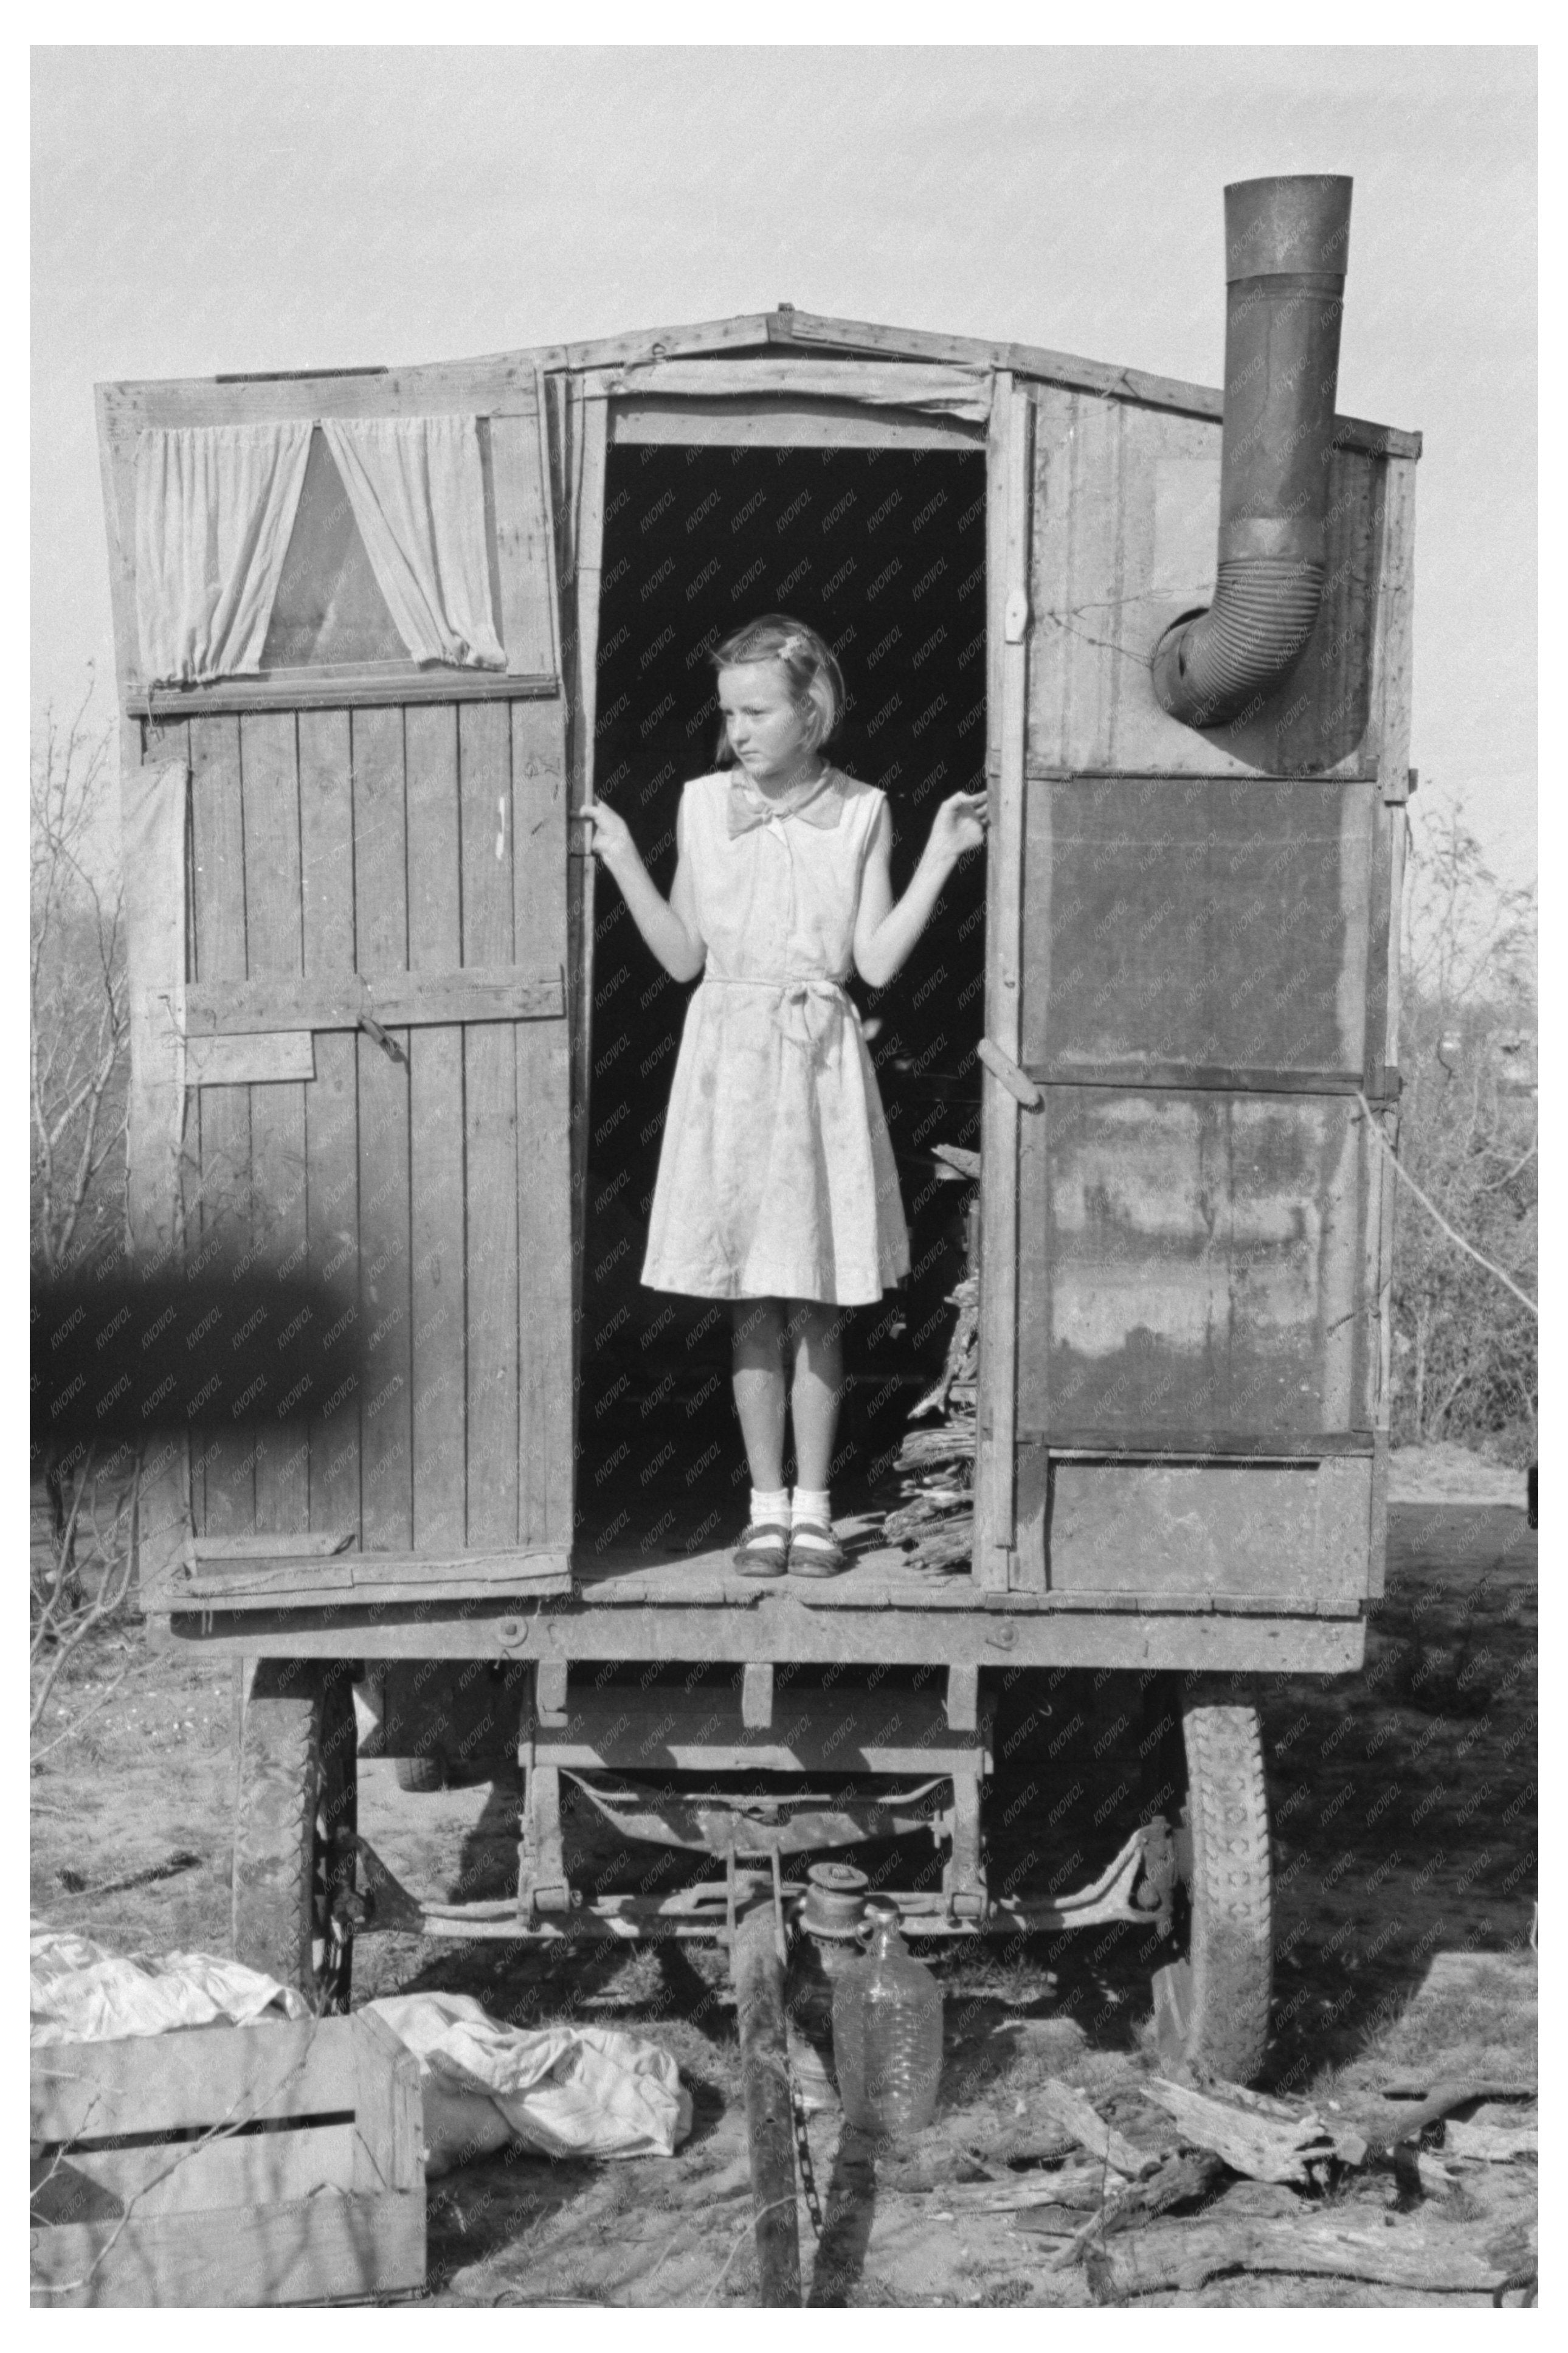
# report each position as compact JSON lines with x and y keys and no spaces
{"x":215,"y":509}
{"x":417,"y":487}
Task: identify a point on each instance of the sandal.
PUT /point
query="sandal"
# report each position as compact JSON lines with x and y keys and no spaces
{"x":763,"y":1550}
{"x":820,"y":1555}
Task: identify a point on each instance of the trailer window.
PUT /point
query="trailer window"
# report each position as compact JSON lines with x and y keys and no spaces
{"x":330,"y":611}
{"x":405,"y":577}
{"x":328,"y":607}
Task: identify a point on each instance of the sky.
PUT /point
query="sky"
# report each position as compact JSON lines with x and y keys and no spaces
{"x":198,"y":211}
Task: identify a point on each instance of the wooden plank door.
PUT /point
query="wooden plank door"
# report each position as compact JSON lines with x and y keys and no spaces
{"x":395,"y":845}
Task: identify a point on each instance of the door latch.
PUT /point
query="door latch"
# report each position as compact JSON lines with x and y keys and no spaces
{"x":384,"y":1038}
{"x":1006,"y":1071}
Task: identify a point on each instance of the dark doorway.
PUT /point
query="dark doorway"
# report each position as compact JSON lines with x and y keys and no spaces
{"x":883,"y":550}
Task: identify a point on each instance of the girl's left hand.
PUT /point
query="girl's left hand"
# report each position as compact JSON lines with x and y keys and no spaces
{"x":958,"y":825}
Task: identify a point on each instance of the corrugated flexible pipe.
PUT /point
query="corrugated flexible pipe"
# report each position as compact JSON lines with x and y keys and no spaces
{"x":1286,"y":244}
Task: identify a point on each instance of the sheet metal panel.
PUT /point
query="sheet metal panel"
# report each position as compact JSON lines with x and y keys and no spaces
{"x":1294,"y":1537}
{"x":1198,"y":921}
{"x":1192,"y":1261}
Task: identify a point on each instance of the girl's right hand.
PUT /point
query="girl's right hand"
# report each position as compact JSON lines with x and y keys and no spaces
{"x":611,"y":839}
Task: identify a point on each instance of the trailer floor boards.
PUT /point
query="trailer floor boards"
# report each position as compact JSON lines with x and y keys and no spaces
{"x":879,"y":1577}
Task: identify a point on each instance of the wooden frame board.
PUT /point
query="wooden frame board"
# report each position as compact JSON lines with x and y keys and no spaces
{"x":1010,"y":493}
{"x":449,"y":996}
{"x":781,"y":422}
{"x":269,"y":801}
{"x":332,"y":1100}
{"x":434,"y":1127}
{"x":586,"y":428}
{"x":1019,"y":1631}
{"x":955,"y":392}
{"x":279,"y":1578}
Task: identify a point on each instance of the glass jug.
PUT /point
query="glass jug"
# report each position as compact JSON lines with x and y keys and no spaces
{"x":886,"y":2031}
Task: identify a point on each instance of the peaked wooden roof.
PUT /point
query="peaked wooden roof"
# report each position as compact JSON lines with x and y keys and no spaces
{"x":777,"y":333}
{"x":804,"y":331}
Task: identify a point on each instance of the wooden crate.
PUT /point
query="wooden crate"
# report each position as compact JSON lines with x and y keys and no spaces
{"x":244,"y":2165}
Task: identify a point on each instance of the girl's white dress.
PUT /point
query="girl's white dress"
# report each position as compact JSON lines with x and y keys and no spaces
{"x":776,"y":1177}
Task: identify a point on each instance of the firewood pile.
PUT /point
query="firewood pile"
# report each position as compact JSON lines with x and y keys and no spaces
{"x":1177,"y":2184}
{"x":935,"y":1520}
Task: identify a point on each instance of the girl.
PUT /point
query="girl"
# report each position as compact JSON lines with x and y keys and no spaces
{"x":776,"y":1186}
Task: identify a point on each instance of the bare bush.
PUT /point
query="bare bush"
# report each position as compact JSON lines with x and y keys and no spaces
{"x":80,"y":1032}
{"x":81,"y":1565}
{"x":1464,"y":1348}
{"x":81,"y":1579}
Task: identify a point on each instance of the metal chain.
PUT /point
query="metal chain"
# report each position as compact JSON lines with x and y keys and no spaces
{"x":803,"y":2150}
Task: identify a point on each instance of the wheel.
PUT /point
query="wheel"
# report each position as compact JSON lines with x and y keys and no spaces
{"x":1211,"y":2006}
{"x":423,"y":1774}
{"x":294,"y":1832}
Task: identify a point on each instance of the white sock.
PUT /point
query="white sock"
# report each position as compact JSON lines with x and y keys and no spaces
{"x":770,"y":1503}
{"x":811,"y":1504}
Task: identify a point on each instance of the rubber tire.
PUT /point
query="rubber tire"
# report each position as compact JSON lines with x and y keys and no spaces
{"x":1226,"y":1980}
{"x":422,"y":1775}
{"x":294,"y":1830}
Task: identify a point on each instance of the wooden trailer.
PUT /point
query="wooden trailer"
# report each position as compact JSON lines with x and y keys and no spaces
{"x":381,"y":634}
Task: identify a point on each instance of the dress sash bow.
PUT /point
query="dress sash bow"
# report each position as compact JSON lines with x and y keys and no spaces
{"x":808,"y":1011}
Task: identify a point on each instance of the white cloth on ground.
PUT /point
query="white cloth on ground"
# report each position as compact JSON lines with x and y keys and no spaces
{"x":80,"y":1992}
{"x":562,"y":2091}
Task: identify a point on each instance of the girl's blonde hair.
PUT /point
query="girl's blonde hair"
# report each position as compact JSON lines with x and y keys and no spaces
{"x":808,"y":661}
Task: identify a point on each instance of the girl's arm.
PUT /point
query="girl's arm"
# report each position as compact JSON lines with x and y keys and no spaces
{"x":669,"y":925}
{"x":884,"y":933}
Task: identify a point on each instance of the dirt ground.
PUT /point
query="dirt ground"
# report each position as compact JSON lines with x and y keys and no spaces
{"x":1404,"y":1803}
